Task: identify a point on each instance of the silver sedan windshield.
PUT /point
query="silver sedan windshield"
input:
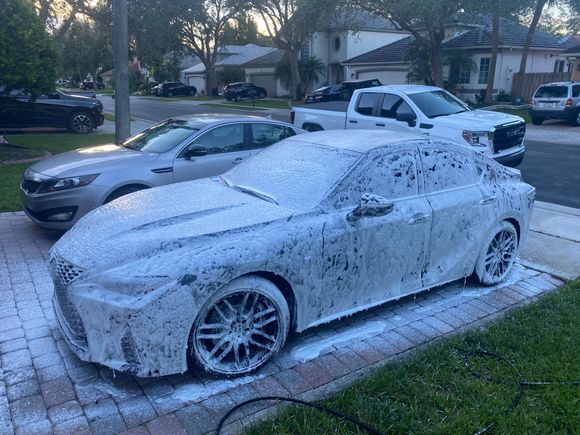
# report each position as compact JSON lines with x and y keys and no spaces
{"x":293,"y":174}
{"x":161,"y":137}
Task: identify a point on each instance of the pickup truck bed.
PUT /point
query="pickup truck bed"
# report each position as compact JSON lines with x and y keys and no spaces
{"x":334,"y":106}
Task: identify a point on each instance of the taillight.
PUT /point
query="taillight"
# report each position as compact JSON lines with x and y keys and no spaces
{"x":292,"y":115}
{"x":569,"y":102}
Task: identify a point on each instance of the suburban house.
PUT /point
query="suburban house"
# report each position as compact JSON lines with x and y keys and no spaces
{"x":234,"y":55}
{"x":390,"y":63}
{"x":346,"y":38}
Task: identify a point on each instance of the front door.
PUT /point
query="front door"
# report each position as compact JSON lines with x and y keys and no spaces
{"x":225,"y":146}
{"x":376,"y":258}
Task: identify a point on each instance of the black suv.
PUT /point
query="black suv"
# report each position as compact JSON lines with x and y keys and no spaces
{"x":239,"y":90}
{"x":79,"y":114}
{"x":171,"y":89}
{"x":349,"y":86}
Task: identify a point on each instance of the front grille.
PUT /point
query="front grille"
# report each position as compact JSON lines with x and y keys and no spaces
{"x":508,"y":136}
{"x":30,"y":186}
{"x":64,"y":273}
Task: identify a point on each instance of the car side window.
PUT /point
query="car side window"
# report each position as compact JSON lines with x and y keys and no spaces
{"x":223,"y":139}
{"x":366,"y":103}
{"x":267,"y":134}
{"x":394,"y":105}
{"x":392,"y":176}
{"x":576,"y":91}
{"x":446,"y":169}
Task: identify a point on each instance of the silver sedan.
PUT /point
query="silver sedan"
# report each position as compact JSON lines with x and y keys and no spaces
{"x":59,"y":190}
{"x":217,"y":272}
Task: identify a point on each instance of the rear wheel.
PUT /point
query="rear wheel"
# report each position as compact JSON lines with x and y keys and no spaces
{"x":498,"y":254}
{"x":238,"y":98}
{"x":575,"y":120}
{"x":240,"y":328}
{"x":536,"y":120}
{"x":122,"y":191}
{"x":81,"y":123}
{"x":262,"y":94}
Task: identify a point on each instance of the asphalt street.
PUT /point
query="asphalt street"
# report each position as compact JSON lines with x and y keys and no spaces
{"x":554,"y":169}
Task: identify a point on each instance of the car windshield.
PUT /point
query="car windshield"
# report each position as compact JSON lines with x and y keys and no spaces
{"x":292,"y":173}
{"x":161,"y":137}
{"x":552,"y":92}
{"x":438,"y":103}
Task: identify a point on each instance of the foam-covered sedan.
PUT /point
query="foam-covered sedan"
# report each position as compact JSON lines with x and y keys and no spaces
{"x":217,"y":272}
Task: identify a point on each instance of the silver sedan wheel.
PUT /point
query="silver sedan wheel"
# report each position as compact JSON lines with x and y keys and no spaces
{"x":81,"y":123}
{"x":240,"y":328}
{"x":498,"y":255}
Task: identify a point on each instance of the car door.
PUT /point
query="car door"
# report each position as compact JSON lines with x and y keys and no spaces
{"x":461,"y":213}
{"x":17,"y":110}
{"x":378,"y":257}
{"x":50,"y":111}
{"x":392,"y":108}
{"x":361,"y":117}
{"x":225,"y":146}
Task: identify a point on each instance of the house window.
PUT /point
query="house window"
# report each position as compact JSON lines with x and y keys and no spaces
{"x":559,"y":65}
{"x":464,"y":76}
{"x":336,"y":43}
{"x":305,"y":51}
{"x":483,"y":70}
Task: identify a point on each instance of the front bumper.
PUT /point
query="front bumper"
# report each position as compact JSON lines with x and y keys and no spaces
{"x":145,"y":336}
{"x":60,"y":210}
{"x":512,"y":159}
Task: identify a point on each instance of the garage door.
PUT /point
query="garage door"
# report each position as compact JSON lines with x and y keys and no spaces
{"x":266,"y":81}
{"x":386,"y":77}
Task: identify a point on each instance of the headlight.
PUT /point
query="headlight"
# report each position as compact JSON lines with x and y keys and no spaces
{"x":473,"y":137}
{"x":59,"y":184}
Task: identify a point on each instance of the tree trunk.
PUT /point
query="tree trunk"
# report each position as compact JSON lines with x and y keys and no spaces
{"x":210,"y":79}
{"x":516,"y":92}
{"x":295,"y":81}
{"x":494,"y":50}
{"x":436,"y":38}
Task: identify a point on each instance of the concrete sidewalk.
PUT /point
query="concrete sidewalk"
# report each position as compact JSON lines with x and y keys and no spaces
{"x":553,"y":131}
{"x":553,"y":244}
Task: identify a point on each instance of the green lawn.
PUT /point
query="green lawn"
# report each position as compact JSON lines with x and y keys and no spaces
{"x":10,"y":175}
{"x":445,"y":389}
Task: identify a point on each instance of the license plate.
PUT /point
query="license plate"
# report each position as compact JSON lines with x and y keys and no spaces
{"x":548,"y":104}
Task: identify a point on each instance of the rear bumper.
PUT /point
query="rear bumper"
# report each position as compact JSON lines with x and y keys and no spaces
{"x":567,"y":113}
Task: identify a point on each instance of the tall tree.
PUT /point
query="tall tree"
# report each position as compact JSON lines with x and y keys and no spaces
{"x":201,"y":25}
{"x":59,"y":15}
{"x":425,"y":20}
{"x":241,"y":30}
{"x":28,"y":58}
{"x":289,"y":24}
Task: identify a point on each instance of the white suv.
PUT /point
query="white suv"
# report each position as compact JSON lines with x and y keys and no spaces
{"x":559,"y":100}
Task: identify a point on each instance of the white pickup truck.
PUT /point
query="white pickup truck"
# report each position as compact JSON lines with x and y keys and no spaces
{"x":425,"y":110}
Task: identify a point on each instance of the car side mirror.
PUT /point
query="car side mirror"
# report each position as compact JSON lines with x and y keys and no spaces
{"x":370,"y":205}
{"x":195,"y":151}
{"x":409,"y":118}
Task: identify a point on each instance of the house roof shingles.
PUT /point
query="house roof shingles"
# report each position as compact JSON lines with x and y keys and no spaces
{"x":511,"y":34}
{"x":270,"y":59}
{"x":395,"y":52}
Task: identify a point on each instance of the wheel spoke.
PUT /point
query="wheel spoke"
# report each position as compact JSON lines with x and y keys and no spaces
{"x":263,"y":334}
{"x":212,"y":326}
{"x":218,"y":346}
{"x":237,"y":355}
{"x":221,"y":313}
{"x":217,"y":336}
{"x":258,"y":344}
{"x":227,"y":350}
{"x":263,"y":313}
{"x":265,"y":322}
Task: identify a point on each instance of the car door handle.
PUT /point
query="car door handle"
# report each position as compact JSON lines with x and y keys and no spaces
{"x":418,"y":218}
{"x":487,"y":200}
{"x":378,"y":124}
{"x":238,"y":160}
{"x":353,"y":121}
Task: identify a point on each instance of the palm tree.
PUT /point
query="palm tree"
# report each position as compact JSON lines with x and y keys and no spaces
{"x":311,"y":69}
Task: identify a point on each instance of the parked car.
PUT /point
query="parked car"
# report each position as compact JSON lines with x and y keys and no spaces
{"x":326,"y":93}
{"x":62,"y":83}
{"x":59,"y":110}
{"x":240,"y":90}
{"x":349,"y":86}
{"x":88,"y":84}
{"x":559,"y":100}
{"x":425,"y":110}
{"x":219,"y":271}
{"x":172,"y":89}
{"x":58,"y":190}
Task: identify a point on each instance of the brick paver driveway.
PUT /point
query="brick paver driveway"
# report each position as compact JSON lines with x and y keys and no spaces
{"x":44,"y":388}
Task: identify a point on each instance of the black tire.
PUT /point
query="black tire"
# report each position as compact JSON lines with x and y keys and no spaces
{"x":238,"y":98}
{"x":575,"y":120}
{"x":237,"y":340}
{"x":537,"y":121}
{"x":81,"y":123}
{"x":170,"y":94}
{"x":122,"y":191}
{"x":262,"y":94}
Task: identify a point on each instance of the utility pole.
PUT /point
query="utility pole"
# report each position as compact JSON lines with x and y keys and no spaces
{"x":121,"y":41}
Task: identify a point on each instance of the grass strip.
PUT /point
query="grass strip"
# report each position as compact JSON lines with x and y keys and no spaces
{"x":435,"y":390}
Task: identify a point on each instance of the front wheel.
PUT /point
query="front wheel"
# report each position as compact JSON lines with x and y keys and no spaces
{"x":262,"y":94}
{"x":537,"y":121}
{"x":81,"y":123}
{"x":240,"y":328}
{"x":497,"y":255}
